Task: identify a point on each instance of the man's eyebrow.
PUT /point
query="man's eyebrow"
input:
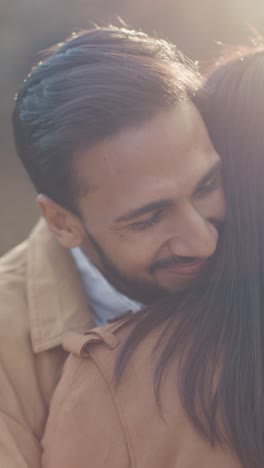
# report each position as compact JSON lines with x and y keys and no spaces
{"x":215,"y":170}
{"x":156,"y":205}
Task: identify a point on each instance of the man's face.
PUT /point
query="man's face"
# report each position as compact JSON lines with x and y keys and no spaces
{"x":154,"y":204}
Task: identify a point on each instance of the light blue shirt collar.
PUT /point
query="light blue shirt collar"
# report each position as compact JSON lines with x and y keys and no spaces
{"x":104,"y":300}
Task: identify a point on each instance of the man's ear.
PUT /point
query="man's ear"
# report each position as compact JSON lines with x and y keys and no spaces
{"x":64,"y":225}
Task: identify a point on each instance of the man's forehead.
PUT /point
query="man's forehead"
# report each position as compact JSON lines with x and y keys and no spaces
{"x":167,"y":141}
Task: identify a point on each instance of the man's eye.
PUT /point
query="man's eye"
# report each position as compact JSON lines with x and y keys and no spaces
{"x":141,"y":225}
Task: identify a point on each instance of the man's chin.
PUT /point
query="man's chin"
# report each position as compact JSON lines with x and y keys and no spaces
{"x":175,"y":285}
{"x":147,"y":295}
{"x":150,"y":295}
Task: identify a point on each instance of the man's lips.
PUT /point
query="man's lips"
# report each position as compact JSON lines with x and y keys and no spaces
{"x":191,"y":268}
{"x":184,"y":268}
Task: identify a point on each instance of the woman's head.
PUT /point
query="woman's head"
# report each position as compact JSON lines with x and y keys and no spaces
{"x":232,"y":106}
{"x":218,"y":331}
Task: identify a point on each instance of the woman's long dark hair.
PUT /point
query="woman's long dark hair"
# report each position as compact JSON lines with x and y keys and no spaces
{"x":217,"y":329}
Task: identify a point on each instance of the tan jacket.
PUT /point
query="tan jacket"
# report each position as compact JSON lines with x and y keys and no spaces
{"x":40,"y":298}
{"x":95,"y":424}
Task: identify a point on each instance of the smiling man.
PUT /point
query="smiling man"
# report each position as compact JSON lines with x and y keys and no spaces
{"x":130,"y":189}
{"x":150,"y":221}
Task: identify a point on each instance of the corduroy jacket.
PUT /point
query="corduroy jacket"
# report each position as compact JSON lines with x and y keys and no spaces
{"x":95,"y":422}
{"x":40,"y":298}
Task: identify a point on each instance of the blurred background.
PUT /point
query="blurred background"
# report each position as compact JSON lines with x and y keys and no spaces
{"x":198,"y":27}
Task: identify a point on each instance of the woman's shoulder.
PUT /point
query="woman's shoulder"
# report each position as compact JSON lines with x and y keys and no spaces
{"x":104,"y":344}
{"x":84,"y":423}
{"x":89,"y":407}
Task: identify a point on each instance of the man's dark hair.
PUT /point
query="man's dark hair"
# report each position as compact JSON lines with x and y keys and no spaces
{"x":91,"y":87}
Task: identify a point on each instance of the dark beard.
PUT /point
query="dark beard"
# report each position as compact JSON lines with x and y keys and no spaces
{"x":131,"y":287}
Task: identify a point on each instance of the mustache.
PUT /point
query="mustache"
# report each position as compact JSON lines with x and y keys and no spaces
{"x":171,"y":261}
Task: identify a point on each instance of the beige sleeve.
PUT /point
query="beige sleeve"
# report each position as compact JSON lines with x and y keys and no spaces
{"x":18,"y":446}
{"x":84,"y":429}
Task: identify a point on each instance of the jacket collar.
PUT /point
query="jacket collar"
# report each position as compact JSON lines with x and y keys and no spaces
{"x":56,"y":300}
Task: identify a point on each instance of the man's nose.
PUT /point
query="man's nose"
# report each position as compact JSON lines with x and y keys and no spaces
{"x":194,"y":236}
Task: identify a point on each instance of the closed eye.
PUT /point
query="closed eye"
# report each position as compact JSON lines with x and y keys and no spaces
{"x":148,"y":223}
{"x":210,"y":185}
